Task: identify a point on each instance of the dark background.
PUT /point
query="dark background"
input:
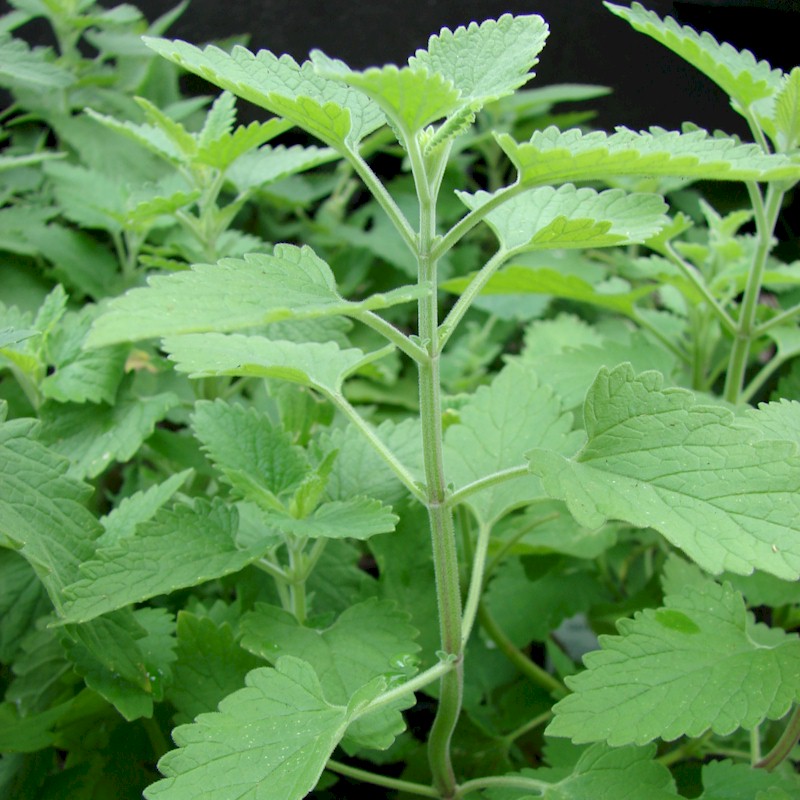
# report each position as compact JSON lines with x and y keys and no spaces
{"x":587,"y":43}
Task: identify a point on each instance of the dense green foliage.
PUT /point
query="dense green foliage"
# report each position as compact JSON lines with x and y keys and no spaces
{"x":417,"y":436}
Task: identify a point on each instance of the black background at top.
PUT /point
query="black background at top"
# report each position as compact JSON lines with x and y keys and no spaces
{"x":587,"y":44}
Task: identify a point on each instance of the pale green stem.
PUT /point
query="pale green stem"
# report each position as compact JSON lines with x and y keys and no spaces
{"x":683,"y":751}
{"x":530,"y":725}
{"x":761,"y":378}
{"x":383,"y":451}
{"x":470,"y":220}
{"x":755,"y":745}
{"x":476,"y":581}
{"x":503,"y":782}
{"x":784,"y":746}
{"x":778,"y":319}
{"x":503,"y":551}
{"x":272,"y":569}
{"x":381,"y":780}
{"x":317,"y":549}
{"x":468,"y":296}
{"x":297,"y":581}
{"x":396,"y":337}
{"x":697,"y":281}
{"x":414,"y":684}
{"x":478,"y":485}
{"x":384,"y":199}
{"x":766,"y":217}
{"x":533,"y":672}
{"x":443,"y":539}
{"x":643,"y":322}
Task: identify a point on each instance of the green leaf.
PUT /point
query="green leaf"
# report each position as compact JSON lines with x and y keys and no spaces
{"x":257,"y":459}
{"x":320,"y":366}
{"x":736,"y":72}
{"x":120,"y":523}
{"x":31,"y":733}
{"x":291,"y":283}
{"x":570,"y":217}
{"x":22,"y":601}
{"x":337,"y":115}
{"x":273,"y":736}
{"x":271,"y":164}
{"x":787,"y":113}
{"x":724,"y":780}
{"x":356,"y":518}
{"x":600,"y":774}
{"x":497,"y":428}
{"x":93,"y":437}
{"x":699,"y":663}
{"x":210,"y":665}
{"x":552,"y":156}
{"x":410,"y":98}
{"x":30,"y":69}
{"x":178,"y":547}
{"x":519,"y":279}
{"x":487,"y":61}
{"x":656,"y":459}
{"x":42,"y":511}
{"x":343,"y":658}
{"x":778,"y":420}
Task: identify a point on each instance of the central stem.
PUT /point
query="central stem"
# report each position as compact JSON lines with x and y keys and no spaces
{"x":445,"y":557}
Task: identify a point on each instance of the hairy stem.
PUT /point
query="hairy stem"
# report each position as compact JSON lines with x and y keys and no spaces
{"x":532,"y":671}
{"x":443,"y":540}
{"x":784,"y":745}
{"x":381,"y":780}
{"x":766,"y":217}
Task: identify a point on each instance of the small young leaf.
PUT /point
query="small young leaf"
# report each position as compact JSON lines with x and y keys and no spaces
{"x":259,"y":460}
{"x":552,"y":156}
{"x":682,"y":669}
{"x":22,"y":67}
{"x":292,"y":282}
{"x":736,"y":72}
{"x":570,"y":217}
{"x":655,"y":459}
{"x":487,"y":61}
{"x":787,"y":113}
{"x":178,"y":547}
{"x":273,"y":736}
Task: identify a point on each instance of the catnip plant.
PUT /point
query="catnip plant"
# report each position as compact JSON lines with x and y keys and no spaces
{"x":576,"y":479}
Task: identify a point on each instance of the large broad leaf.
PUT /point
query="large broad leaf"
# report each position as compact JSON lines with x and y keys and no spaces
{"x":600,"y":774}
{"x":271,"y":738}
{"x":724,"y":780}
{"x":336,"y":114}
{"x":292,"y":282}
{"x":700,"y":662}
{"x":736,"y":72}
{"x":655,"y":459}
{"x":554,"y":156}
{"x":179,"y":547}
{"x":320,"y":366}
{"x":496,"y":429}
{"x":42,"y":511}
{"x":343,"y":658}
{"x":569,"y":217}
